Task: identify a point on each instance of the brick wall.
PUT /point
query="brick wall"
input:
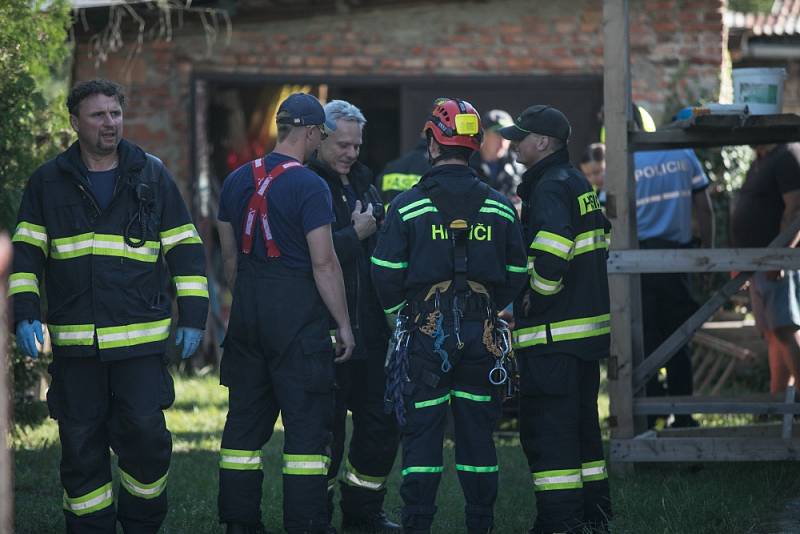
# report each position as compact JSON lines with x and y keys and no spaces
{"x":492,"y":38}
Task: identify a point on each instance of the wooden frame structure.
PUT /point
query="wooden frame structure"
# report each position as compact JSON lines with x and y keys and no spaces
{"x":628,"y":369}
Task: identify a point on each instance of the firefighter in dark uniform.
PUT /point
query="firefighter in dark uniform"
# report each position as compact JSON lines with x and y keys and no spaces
{"x":494,"y":163}
{"x":562,"y":328}
{"x":97,"y":221}
{"x":275,"y":232}
{"x":449,"y":256}
{"x":360,"y":381}
{"x":404,"y":172}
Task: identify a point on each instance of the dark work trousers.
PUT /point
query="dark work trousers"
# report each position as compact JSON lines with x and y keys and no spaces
{"x":476,"y":407}
{"x":118,"y":405}
{"x":373,"y":445}
{"x":560,"y":435}
{"x":666,"y":304}
{"x":277,"y":358}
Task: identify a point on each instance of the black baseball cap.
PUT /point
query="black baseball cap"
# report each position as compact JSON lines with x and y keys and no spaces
{"x":496,"y":119}
{"x":302,"y":109}
{"x":539,"y":119}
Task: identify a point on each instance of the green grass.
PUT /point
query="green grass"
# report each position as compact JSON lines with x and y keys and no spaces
{"x":668,"y":499}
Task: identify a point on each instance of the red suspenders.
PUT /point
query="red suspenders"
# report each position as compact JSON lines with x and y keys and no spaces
{"x":259,"y":207}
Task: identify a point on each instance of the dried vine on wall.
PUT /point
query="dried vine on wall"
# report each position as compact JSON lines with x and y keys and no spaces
{"x":171,"y":15}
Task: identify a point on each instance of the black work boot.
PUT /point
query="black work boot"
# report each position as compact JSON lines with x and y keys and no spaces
{"x":245,"y":528}
{"x":378,"y":523}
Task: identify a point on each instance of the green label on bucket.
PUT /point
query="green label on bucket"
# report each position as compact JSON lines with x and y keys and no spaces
{"x":759,"y":93}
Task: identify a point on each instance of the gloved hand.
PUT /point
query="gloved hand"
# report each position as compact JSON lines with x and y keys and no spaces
{"x":26,"y":332}
{"x":191,"y":338}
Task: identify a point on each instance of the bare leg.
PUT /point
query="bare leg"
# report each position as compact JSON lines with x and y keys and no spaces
{"x":778,"y":371}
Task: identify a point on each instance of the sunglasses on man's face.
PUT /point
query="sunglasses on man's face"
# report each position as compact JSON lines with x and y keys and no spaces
{"x":322,"y":132}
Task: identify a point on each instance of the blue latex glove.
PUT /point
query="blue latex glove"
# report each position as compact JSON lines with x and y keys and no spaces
{"x":26,"y":332}
{"x":191,"y":338}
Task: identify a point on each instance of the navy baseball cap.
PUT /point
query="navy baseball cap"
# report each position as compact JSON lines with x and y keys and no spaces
{"x":302,"y":109}
{"x":542,"y":120}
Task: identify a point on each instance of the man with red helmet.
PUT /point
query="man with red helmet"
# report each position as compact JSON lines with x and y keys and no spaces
{"x":449,"y":255}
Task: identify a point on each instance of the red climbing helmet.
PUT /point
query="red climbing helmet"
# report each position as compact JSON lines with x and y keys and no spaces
{"x":455,"y":122}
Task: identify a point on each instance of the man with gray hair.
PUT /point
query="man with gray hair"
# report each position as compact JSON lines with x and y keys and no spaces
{"x":361,"y":380}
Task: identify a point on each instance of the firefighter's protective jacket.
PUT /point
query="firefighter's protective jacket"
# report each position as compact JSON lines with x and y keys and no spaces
{"x":103,"y":268}
{"x":414,"y":249}
{"x":565,"y":308}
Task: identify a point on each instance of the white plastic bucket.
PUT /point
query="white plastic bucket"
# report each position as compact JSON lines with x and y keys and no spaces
{"x":760,"y":89}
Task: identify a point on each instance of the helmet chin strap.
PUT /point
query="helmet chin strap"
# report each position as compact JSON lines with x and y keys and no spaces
{"x":432,"y":160}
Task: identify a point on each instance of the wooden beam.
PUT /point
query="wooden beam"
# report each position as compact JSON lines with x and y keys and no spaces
{"x":701,"y":449}
{"x":6,"y":458}
{"x":720,"y":345}
{"x":754,"y":430}
{"x":721,"y":130}
{"x":702,"y":260}
{"x":626,"y":317}
{"x":650,"y":366}
{"x":711,"y":404}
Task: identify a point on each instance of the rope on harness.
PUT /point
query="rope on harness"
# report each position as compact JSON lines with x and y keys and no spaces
{"x":397,"y":373}
{"x":438,"y":340}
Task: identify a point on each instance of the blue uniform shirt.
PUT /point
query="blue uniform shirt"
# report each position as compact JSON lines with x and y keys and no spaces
{"x":102,"y":185}
{"x":299,"y":202}
{"x":665,"y":181}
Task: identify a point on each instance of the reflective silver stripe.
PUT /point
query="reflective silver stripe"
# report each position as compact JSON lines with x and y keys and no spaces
{"x":527,"y":337}
{"x":63,"y":248}
{"x":100,"y":243}
{"x":133,"y":334}
{"x":305,"y":465}
{"x":578,"y":328}
{"x":563,"y":479}
{"x":27,"y":232}
{"x":94,"y":501}
{"x":699,"y":179}
{"x":171,"y":240}
{"x":360,"y":482}
{"x":541,"y":240}
{"x":589,"y":471}
{"x":591,"y":240}
{"x":670,"y":195}
{"x":244,"y":460}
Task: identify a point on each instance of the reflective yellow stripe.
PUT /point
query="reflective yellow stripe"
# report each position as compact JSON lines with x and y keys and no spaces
{"x":415,"y":204}
{"x":581,"y":328}
{"x":180,"y":235}
{"x":140,"y":489}
{"x":132,"y":334}
{"x":240,"y":460}
{"x":396,"y":181}
{"x":493,"y":203}
{"x":543,"y":286}
{"x":33,"y":234}
{"x":98,"y":499}
{"x":554,"y":244}
{"x":594,"y":471}
{"x":561,"y":479}
{"x":589,"y":241}
{"x":388,"y":264}
{"x":353,"y":478}
{"x":394,"y":309}
{"x":65,"y":248}
{"x":305,"y":464}
{"x":417,"y":213}
{"x":23,"y":283}
{"x":191,"y":286}
{"x":65,"y":335}
{"x":530,"y":336}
